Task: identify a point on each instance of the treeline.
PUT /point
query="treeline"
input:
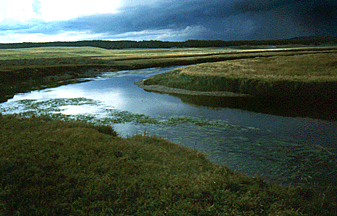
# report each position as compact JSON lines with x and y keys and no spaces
{"x":185,"y":44}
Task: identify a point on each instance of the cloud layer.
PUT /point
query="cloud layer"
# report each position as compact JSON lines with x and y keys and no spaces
{"x":172,"y":20}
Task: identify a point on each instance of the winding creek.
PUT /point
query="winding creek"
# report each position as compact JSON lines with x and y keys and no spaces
{"x":292,"y":150}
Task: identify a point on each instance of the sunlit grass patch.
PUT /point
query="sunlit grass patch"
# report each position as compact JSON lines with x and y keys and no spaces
{"x":305,"y":68}
{"x":95,"y":52}
{"x":51,"y":52}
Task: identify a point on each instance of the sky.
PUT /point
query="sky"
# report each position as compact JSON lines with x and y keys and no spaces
{"x":166,"y":20}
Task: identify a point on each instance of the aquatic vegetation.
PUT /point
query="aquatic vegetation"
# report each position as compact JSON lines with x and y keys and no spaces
{"x":56,"y":109}
{"x":299,"y":163}
{"x":175,"y":120}
{"x":222,"y":142}
{"x":116,"y":116}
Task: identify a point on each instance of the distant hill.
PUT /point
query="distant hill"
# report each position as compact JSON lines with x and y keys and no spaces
{"x":166,"y":44}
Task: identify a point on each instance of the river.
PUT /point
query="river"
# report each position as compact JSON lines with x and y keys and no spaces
{"x":296,"y":150}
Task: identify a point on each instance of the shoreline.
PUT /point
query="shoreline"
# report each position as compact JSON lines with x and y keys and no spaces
{"x":165,"y":89}
{"x":310,"y":77}
{"x":66,"y":159}
{"x":31,"y":71}
{"x":70,"y":166}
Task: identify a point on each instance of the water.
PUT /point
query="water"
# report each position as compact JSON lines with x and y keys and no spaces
{"x":285,"y":149}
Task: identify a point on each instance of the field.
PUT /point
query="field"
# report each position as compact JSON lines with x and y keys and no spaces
{"x":53,"y":167}
{"x":34,"y":68}
{"x":303,"y":68}
{"x":302,"y":76}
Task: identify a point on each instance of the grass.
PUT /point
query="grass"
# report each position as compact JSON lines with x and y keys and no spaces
{"x":35,"y":68}
{"x":304,"y":68}
{"x":289,"y":162}
{"x":69,"y":52}
{"x":52,"y":167}
{"x":311,"y":76}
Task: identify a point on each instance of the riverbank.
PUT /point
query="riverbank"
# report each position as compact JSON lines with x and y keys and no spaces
{"x":63,"y":168}
{"x":165,"y":89}
{"x":23,"y":70}
{"x":299,"y":77}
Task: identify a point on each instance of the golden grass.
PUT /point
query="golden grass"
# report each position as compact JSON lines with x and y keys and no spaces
{"x":50,"y":52}
{"x":301,"y":76}
{"x":63,"y":52}
{"x":26,"y":69}
{"x":304,"y":68}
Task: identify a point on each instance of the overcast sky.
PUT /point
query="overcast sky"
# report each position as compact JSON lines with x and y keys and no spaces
{"x":168,"y":20}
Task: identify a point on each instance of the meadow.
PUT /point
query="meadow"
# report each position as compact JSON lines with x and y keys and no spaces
{"x":28,"y":69}
{"x":54,"y":167}
{"x":302,"y":76}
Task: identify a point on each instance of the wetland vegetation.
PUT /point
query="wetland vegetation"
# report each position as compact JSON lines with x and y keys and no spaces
{"x":306,"y":76}
{"x":35,"y":68}
{"x":77,"y":164}
{"x":74,"y":168}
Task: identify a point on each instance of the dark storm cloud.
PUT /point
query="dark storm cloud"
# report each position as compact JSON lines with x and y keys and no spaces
{"x":249,"y":6}
{"x":195,"y":19}
{"x":146,"y":17}
{"x":320,"y":15}
{"x":215,"y":16}
{"x":312,"y":14}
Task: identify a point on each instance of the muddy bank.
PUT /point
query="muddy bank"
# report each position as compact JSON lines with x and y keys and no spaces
{"x":165,"y":89}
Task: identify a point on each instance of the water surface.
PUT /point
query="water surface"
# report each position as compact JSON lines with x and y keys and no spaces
{"x":285,"y":149}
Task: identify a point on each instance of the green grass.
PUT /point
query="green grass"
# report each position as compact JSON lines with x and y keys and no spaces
{"x":52,"y":167}
{"x":311,"y":76}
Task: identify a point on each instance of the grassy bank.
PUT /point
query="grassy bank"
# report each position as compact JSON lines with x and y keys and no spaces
{"x":72,"y":168}
{"x":307,"y":76}
{"x":35,"y":68}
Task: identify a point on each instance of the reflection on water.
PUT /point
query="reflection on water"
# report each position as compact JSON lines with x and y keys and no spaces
{"x":246,"y":135}
{"x":295,"y":108}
